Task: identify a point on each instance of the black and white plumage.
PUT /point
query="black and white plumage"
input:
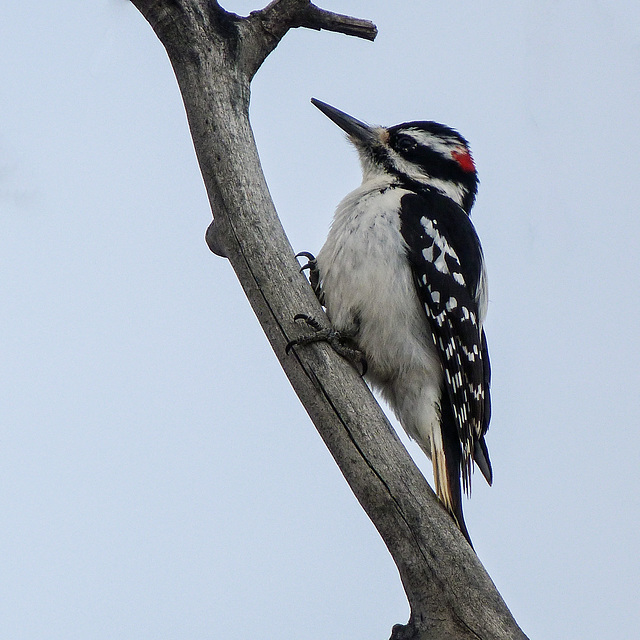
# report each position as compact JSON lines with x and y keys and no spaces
{"x":402,"y":270}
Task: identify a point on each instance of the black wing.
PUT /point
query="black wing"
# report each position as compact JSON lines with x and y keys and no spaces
{"x":446,"y":259}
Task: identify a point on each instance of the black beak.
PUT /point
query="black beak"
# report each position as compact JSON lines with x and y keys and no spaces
{"x":357,"y":131}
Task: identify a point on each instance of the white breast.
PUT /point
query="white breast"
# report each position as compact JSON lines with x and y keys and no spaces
{"x":368,"y":284}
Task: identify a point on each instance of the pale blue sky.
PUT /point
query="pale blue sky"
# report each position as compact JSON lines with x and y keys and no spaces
{"x":158,"y":476}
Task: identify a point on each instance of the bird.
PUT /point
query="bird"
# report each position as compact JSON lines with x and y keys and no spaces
{"x":403,"y":281}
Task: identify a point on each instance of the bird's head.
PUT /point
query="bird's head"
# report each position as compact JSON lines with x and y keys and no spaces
{"x":419,"y":154}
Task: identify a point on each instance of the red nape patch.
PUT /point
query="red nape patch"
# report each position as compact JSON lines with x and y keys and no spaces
{"x":464,"y":159}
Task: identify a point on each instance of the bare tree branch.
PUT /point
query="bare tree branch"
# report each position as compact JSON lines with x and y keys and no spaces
{"x":215,"y":54}
{"x":302,"y":13}
{"x":281,"y":15}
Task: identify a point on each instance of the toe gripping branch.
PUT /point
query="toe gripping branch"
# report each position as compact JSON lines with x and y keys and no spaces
{"x":338,"y":340}
{"x":314,"y":273}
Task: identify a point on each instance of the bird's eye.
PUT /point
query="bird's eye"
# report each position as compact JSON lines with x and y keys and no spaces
{"x":405,"y":143}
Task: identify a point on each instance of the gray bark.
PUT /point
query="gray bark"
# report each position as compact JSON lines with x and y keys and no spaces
{"x":214,"y":55}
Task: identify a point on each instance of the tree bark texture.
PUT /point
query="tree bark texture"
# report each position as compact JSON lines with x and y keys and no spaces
{"x":215,"y":54}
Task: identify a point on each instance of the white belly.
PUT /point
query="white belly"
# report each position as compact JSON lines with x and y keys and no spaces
{"x":368,"y":285}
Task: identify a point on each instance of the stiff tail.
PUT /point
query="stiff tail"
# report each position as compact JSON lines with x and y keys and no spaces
{"x":446,"y":456}
{"x":481,"y":456}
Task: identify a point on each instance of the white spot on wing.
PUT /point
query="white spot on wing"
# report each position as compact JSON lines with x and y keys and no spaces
{"x":446,"y":250}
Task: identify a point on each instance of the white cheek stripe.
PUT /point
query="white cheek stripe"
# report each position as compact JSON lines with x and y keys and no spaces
{"x":445,"y":146}
{"x":453,"y":190}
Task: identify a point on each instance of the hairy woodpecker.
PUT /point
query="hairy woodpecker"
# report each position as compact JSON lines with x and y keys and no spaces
{"x":402,"y":274}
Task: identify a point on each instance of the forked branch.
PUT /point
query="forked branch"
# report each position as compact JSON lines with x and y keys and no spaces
{"x":302,"y":13}
{"x":214,"y":54}
{"x":273,"y":22}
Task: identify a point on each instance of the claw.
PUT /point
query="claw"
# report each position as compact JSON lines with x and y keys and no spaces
{"x":305,"y":254}
{"x":312,"y":322}
{"x":336,"y":340}
{"x":314,"y":274}
{"x":312,"y":264}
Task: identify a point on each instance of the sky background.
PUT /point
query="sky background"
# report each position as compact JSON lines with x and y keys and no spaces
{"x":158,"y":477}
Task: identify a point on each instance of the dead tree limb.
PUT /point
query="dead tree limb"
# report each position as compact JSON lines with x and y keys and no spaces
{"x":214,"y":55}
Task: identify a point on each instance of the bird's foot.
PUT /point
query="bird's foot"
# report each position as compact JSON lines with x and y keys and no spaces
{"x":338,"y":340}
{"x":314,"y":273}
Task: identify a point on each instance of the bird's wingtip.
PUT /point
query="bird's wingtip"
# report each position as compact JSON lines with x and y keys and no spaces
{"x":481,"y":457}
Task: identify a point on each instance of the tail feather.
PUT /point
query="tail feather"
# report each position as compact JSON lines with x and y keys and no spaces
{"x":449,"y":490}
{"x":446,"y":457}
{"x":481,"y":457}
